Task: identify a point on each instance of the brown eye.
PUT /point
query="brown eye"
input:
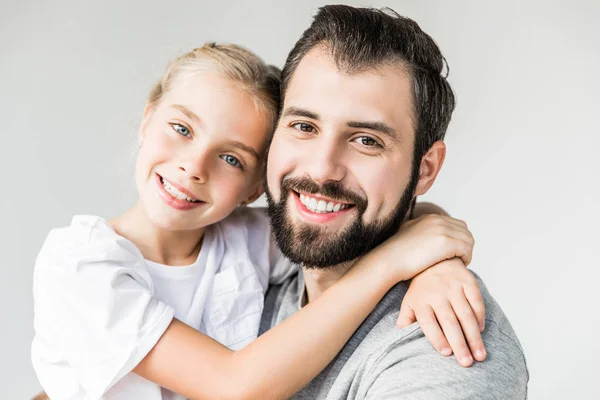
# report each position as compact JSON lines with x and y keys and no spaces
{"x":367,"y":141}
{"x":304,"y":127}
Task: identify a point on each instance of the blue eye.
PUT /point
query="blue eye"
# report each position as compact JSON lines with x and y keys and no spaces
{"x":182,"y":130}
{"x":231,"y":160}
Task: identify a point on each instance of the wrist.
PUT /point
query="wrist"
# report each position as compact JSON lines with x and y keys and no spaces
{"x":390,"y":265}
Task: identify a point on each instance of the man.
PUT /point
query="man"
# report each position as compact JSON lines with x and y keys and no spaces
{"x":365,"y":110}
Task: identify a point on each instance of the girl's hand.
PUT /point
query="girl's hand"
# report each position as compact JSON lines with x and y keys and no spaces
{"x":446,"y":302}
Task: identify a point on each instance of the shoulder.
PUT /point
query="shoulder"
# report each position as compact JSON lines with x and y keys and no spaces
{"x":86,"y":233}
{"x":496,"y":317}
{"x":78,"y":232}
{"x":81,"y":247}
{"x":405,"y":358}
{"x":409,"y":364}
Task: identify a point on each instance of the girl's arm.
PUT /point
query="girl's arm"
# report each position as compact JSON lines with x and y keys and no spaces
{"x":424,"y":208}
{"x":286,"y":358}
{"x":446,"y":302}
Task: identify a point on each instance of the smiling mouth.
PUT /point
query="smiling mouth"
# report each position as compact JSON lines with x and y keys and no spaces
{"x":173,"y":191}
{"x":321,"y":205}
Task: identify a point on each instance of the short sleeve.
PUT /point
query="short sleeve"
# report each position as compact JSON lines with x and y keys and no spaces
{"x":93,"y":304}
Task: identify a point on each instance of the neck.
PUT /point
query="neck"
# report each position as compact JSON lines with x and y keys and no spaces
{"x":318,"y":280}
{"x":158,"y":244}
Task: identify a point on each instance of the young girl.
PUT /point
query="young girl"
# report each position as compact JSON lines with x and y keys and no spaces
{"x":157,"y":297}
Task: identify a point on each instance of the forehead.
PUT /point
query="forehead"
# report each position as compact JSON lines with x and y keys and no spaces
{"x":210,"y":91}
{"x":221,"y":105}
{"x":383,"y":93}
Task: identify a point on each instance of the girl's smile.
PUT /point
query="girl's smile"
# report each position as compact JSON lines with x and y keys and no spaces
{"x":176,"y":196}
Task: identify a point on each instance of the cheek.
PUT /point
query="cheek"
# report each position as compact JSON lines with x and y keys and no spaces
{"x":157,"y":147}
{"x":228,"y":189}
{"x":384,"y":184}
{"x":280,"y":163}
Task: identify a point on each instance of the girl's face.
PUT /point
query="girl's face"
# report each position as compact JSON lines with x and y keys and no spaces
{"x":201,"y":154}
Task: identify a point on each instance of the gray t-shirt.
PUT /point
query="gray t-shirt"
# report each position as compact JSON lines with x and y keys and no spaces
{"x":381,"y":361}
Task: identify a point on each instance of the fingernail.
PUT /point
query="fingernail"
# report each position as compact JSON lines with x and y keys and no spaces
{"x":479,"y":354}
{"x":446,"y":351}
{"x":481,"y":327}
{"x":466,"y":360}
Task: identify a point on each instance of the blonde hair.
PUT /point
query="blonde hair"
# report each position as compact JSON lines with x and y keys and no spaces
{"x":232,"y":62}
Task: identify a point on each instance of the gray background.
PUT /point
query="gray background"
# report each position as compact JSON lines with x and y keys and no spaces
{"x":522,"y":148}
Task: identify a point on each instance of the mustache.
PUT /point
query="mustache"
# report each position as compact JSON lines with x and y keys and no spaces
{"x":333,"y":190}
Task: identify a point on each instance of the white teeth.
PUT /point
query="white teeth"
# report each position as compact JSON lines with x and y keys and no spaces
{"x":321,"y":206}
{"x":176,"y":193}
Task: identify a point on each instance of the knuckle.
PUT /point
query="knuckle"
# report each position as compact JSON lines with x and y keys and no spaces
{"x":426,"y":319}
{"x":439,"y":303}
{"x":463,"y":314}
{"x":450,"y":322}
{"x":444,"y":239}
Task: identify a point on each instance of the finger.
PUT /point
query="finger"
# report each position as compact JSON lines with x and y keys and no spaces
{"x":469,"y":325}
{"x":465,"y":252}
{"x":406,"y":317}
{"x":431,"y":328}
{"x":475,"y":299}
{"x":464,"y":245}
{"x":457,"y":242}
{"x":460,"y":231}
{"x":456,"y":223}
{"x":456,"y":247}
{"x":453,"y":332}
{"x":462,"y":235}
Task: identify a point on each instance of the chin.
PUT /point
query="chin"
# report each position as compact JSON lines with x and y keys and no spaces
{"x":169,"y":223}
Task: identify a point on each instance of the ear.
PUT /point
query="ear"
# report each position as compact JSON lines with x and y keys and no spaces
{"x":148,"y":110}
{"x":431,"y":163}
{"x":260,"y":189}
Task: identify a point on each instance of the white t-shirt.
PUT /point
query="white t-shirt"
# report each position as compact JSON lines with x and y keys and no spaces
{"x":100,"y":307}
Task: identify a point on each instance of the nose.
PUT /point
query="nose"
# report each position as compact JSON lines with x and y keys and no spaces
{"x":195,"y":168}
{"x":326,"y":162}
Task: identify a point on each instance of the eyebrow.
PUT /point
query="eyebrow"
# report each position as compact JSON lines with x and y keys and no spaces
{"x":188,"y":113}
{"x":300,"y":112}
{"x":243,"y":147}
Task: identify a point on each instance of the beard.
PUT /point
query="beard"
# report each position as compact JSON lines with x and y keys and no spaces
{"x":311,"y":245}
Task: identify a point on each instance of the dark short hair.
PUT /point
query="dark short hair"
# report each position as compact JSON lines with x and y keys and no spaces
{"x":363,"y":38}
